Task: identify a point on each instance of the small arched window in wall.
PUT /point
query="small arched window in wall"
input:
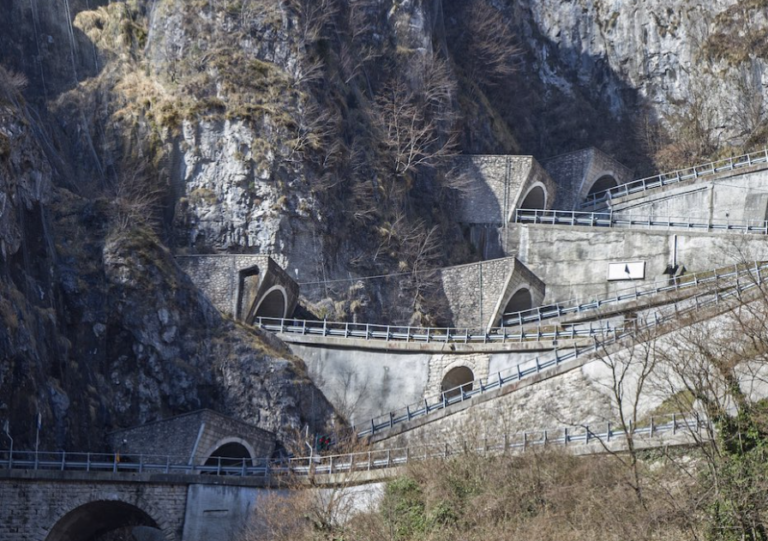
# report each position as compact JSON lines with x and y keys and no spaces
{"x":457,"y":380}
{"x":606,"y":182}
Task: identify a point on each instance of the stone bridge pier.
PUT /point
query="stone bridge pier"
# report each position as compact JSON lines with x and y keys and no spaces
{"x":79,"y":510}
{"x":79,"y":505}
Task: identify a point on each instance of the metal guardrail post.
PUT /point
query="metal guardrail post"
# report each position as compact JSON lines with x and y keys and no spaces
{"x":87,"y":461}
{"x":608,"y":432}
{"x":674,"y":423}
{"x":63,"y":460}
{"x":565,"y":436}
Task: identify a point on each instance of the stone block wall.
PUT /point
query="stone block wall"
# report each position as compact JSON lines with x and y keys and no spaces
{"x":576,"y":172}
{"x":217,"y":276}
{"x":30,"y":508}
{"x":194,"y":434}
{"x":498,"y":185}
{"x":473,"y":290}
{"x":520,"y":277}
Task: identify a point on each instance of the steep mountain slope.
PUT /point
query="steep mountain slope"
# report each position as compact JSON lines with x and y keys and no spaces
{"x":320,"y":131}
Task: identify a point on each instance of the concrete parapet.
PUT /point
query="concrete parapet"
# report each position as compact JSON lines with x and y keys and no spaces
{"x":574,"y":261}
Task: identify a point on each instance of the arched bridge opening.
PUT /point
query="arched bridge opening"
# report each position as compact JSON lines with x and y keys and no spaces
{"x":457,"y":380}
{"x":103,"y":521}
{"x":232,"y":453}
{"x":273,"y":305}
{"x":606,"y":182}
{"x":535,"y":199}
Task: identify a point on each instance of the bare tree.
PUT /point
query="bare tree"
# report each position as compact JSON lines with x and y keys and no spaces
{"x":414,"y":120}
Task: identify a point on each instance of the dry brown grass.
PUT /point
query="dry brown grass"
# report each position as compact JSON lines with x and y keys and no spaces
{"x":542,"y":496}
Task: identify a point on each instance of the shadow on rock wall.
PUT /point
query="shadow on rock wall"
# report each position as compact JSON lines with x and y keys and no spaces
{"x":563,"y":99}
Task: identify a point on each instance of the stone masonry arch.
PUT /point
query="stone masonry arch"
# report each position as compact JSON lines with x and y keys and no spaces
{"x":456,"y":380}
{"x":604,"y":180}
{"x":536,"y":198}
{"x":273,"y":304}
{"x":228,"y":441}
{"x":87,"y":512}
{"x":441,"y":365}
{"x":521,"y":300}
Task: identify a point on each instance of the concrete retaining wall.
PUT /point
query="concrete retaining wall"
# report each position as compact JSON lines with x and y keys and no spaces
{"x":726,"y":198}
{"x":573,"y":261}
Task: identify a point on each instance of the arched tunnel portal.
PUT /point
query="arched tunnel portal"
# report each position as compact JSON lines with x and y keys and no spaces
{"x":606,"y":182}
{"x":101,"y":520}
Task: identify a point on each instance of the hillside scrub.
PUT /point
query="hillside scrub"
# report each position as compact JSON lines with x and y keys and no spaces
{"x":546,"y":495}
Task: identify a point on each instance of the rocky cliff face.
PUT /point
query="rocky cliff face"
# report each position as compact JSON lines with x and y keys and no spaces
{"x":277,"y":127}
{"x":695,"y":70}
{"x":101,"y":329}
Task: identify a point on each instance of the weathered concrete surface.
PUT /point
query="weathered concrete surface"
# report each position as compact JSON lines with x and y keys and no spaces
{"x":573,"y":261}
{"x":718,"y":198}
{"x":581,"y":392}
{"x":363,"y":384}
{"x":219,"y":513}
{"x":576,"y":172}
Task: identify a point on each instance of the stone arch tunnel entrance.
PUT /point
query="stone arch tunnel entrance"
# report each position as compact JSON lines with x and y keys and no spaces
{"x":273,"y":305}
{"x":521,"y":301}
{"x":535,"y":199}
{"x":606,"y":182}
{"x":102,"y":520}
{"x":457,"y":380}
{"x":230,"y":454}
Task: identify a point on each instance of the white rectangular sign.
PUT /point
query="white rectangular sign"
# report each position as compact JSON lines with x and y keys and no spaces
{"x":634,"y":270}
